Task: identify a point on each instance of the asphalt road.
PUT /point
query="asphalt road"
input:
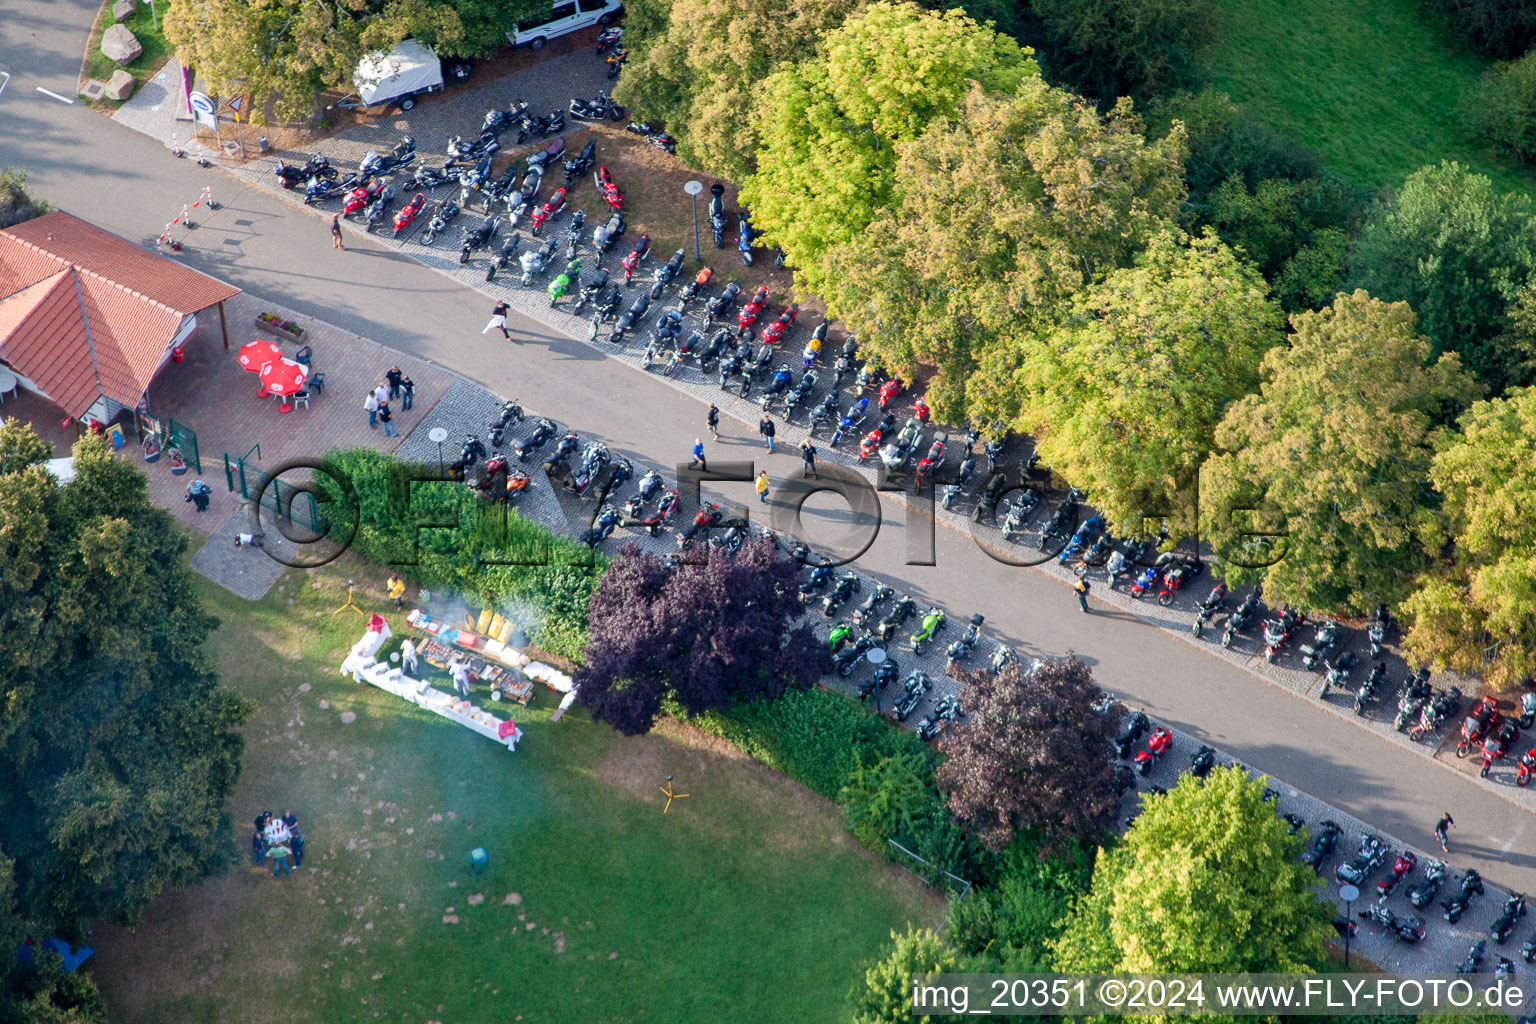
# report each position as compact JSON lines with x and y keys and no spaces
{"x":128,"y":183}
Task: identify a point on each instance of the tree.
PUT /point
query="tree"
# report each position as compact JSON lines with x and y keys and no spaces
{"x":1457,"y":252}
{"x":1032,"y":755}
{"x":1294,"y":232}
{"x":1484,"y":601}
{"x":1126,"y":392}
{"x":1110,"y":48}
{"x":999,"y":216}
{"x":1205,"y":880}
{"x":1501,"y":29}
{"x":16,"y":203}
{"x":1334,"y":454}
{"x":700,"y":73}
{"x":1502,"y":109}
{"x":828,"y":126}
{"x":118,"y":746}
{"x":701,"y":634}
{"x":886,"y":995}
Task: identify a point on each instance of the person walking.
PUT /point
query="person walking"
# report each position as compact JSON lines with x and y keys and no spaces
{"x":808,"y":459}
{"x":698,"y":455}
{"x":408,"y":655}
{"x":460,"y":674}
{"x":371,"y":403}
{"x":396,"y":587}
{"x":1081,"y":588}
{"x":407,"y":393}
{"x":762,"y":486}
{"x":498,"y":321}
{"x":765,"y":427}
{"x":279,"y":854}
{"x":1443,"y":830}
{"x":298,"y":848}
{"x":335,"y":244}
{"x":392,"y":377}
{"x":388,"y":419}
{"x":712,"y":418}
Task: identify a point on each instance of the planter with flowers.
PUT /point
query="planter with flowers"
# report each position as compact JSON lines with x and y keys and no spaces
{"x":275,"y":324}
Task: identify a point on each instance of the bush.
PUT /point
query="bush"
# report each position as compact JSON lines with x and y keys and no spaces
{"x":1111,"y":48}
{"x":1502,"y":109}
{"x":1223,"y":143}
{"x":547,"y":601}
{"x":881,"y":797}
{"x":1023,"y":913}
{"x":16,"y":203}
{"x":1494,"y":28}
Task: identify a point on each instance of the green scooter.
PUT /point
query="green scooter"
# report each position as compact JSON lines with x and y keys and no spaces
{"x":933,"y":621}
{"x":562,"y":284}
{"x":840,"y":635}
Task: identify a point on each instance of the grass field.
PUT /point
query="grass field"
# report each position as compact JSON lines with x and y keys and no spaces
{"x":144,"y":25}
{"x":747,"y":902}
{"x":1374,"y":85}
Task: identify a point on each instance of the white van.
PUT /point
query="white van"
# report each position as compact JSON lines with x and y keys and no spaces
{"x":565,"y":16}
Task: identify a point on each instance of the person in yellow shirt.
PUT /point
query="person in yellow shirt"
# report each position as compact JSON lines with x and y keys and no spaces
{"x":397,"y":590}
{"x":762,"y":486}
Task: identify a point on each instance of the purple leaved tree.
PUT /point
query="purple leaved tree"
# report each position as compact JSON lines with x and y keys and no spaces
{"x":1032,"y":754}
{"x":702,"y":634}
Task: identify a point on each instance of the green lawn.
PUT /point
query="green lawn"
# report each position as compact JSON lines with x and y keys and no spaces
{"x":1374,"y":85}
{"x":143,"y":24}
{"x":748,"y":902}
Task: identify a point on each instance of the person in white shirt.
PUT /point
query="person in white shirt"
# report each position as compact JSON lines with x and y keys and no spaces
{"x":408,"y":656}
{"x":381,"y":393}
{"x":371,"y":405}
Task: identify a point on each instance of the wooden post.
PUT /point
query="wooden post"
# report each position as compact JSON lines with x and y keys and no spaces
{"x":223,"y":327}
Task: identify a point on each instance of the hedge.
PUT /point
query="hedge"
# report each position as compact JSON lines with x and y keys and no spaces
{"x":548,"y":601}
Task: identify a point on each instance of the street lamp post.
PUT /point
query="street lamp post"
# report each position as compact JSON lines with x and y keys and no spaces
{"x":693,"y":188}
{"x":1348,"y":894}
{"x":439,"y":435}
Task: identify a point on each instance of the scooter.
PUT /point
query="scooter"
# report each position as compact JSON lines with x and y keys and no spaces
{"x":717,"y":214}
{"x":1158,"y":744}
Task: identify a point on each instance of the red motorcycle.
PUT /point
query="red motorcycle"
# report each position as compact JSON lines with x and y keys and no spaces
{"x":657,"y":521}
{"x":774,"y":332}
{"x":407,"y":213}
{"x":1497,"y":744}
{"x":605,"y":184}
{"x":920,"y":409}
{"x":750,"y":312}
{"x":636,"y":257}
{"x":934,"y":457}
{"x":358,"y":199}
{"x":555,"y":204}
{"x":888,"y":392}
{"x":1405,"y":863}
{"x":1483,"y":720}
{"x":871,"y":443}
{"x":1527,"y":767}
{"x":1158,"y":744}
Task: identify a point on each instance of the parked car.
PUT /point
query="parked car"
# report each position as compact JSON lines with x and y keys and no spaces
{"x":564,"y":17}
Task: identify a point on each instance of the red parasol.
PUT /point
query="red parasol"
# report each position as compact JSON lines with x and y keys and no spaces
{"x":255,"y":354}
{"x":283,"y":377}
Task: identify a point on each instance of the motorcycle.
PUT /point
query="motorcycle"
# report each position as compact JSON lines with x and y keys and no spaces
{"x":560,"y":285}
{"x":1336,"y":674}
{"x":1407,"y":929}
{"x":504,"y":257}
{"x":549,"y":210}
{"x":717,"y":214}
{"x":460,"y":152}
{"x":1201,"y":764}
{"x":1321,"y":845}
{"x":564,"y":449}
{"x":932,"y":622}
{"x":596,"y":109}
{"x":722,"y":304}
{"x":403,"y":155}
{"x":477,"y":238}
{"x":1002,"y":657}
{"x":848,"y":584}
{"x":1471,"y":885}
{"x":1136,"y":725}
{"x":1415,"y":693}
{"x":543,"y":430}
{"x":660,"y":139}
{"x":429,"y":178}
{"x":446,"y":211}
{"x":636,"y":256}
{"x":1527,"y":709}
{"x":573,"y":233}
{"x":590,"y":291}
{"x":608,"y":36}
{"x":611,"y":193}
{"x":605,"y":234}
{"x":1240,"y":616}
{"x":359,"y":199}
{"x":847,"y":660}
{"x":630,"y":319}
{"x":929,"y":462}
{"x":1497,"y":744}
{"x":1474,"y":959}
{"x":1277,"y":631}
{"x":903,"y":447}
{"x":959,"y":650}
{"x":945,"y":709}
{"x":602,"y":527}
{"x":748,"y":314}
{"x":849,"y":421}
{"x":1212,"y":603}
{"x":316,"y":168}
{"x":1158,"y":744}
{"x":1504,"y":924}
{"x":866,"y":608}
{"x":1422,"y":893}
{"x":1370,"y":856}
{"x":1401,"y":868}
{"x":536,"y":261}
{"x":1323,"y":642}
{"x":581,"y":163}
{"x":379,"y":208}
{"x":616,"y":60}
{"x":775,"y":331}
{"x":319,"y":190}
{"x":888,"y":392}
{"x":1442,"y":706}
{"x":898,"y":613}
{"x":1377,"y":631}
{"x":1484,"y":719}
{"x":696,"y":288}
{"x":913,"y":689}
{"x":708,"y":516}
{"x":1367,"y":691}
{"x":663,"y":275}
{"x":656,"y":522}
{"x":713,"y":349}
{"x":1527,"y":768}
{"x":744,"y":236}
{"x":818,"y":578}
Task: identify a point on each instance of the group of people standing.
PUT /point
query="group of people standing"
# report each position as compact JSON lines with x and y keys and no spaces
{"x":394,"y":385}
{"x":278,"y":839}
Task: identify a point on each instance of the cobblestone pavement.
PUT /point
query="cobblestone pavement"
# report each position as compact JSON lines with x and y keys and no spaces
{"x":467,"y":408}
{"x":574,"y":74}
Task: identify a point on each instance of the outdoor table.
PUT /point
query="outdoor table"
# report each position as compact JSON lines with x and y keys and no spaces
{"x":8,"y":383}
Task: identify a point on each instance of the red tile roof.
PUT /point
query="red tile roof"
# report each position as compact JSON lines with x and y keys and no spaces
{"x":86,"y":314}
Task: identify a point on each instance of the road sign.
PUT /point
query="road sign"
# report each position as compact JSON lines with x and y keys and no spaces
{"x":203,"y":109}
